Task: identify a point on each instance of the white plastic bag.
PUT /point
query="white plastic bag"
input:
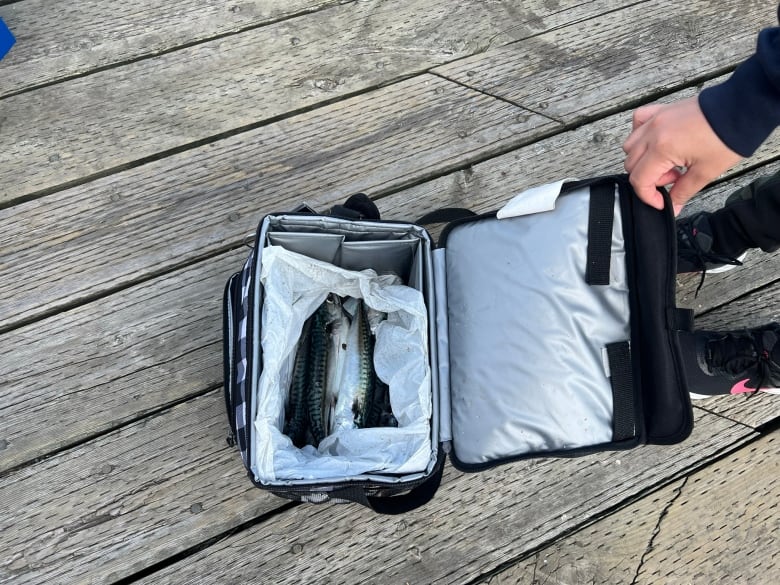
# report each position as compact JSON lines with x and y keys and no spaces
{"x":294,"y":286}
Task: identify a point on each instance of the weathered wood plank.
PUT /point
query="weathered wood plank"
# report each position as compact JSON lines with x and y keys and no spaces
{"x":719,"y":525}
{"x":147,"y":220}
{"x":98,"y":123}
{"x":724,"y":526}
{"x":90,"y":369}
{"x":475,"y":523}
{"x":609,"y":551}
{"x":82,"y":35}
{"x":618,"y":58}
{"x":116,"y":505}
{"x":111,"y":507}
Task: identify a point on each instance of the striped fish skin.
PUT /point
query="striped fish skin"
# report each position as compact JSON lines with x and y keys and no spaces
{"x":295,"y":425}
{"x":363,"y":404}
{"x":318,"y":365}
{"x":365,"y":351}
{"x":337,"y":352}
{"x":336,"y":332}
{"x":379,"y":411}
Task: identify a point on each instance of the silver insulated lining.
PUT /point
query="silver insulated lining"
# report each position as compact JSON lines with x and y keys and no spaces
{"x":527,"y":334}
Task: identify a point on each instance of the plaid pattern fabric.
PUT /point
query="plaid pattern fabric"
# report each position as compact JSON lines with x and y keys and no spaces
{"x":239,"y":386}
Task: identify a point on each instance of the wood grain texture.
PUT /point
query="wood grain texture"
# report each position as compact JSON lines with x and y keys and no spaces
{"x":87,"y":370}
{"x":76,"y":37}
{"x":725,"y":524}
{"x":719,"y":525}
{"x":150,"y":219}
{"x":111,"y":507}
{"x":576,"y":72}
{"x":475,"y":523}
{"x":609,"y":551}
{"x":98,"y":123}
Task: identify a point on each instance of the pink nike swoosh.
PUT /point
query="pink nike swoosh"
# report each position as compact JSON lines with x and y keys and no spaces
{"x":741,"y":387}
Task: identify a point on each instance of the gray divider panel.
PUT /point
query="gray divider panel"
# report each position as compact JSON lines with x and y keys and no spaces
{"x":384,"y":256}
{"x":528,"y":335}
{"x":323,"y":247}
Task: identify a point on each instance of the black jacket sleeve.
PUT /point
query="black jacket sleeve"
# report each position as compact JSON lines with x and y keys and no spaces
{"x":745,"y":109}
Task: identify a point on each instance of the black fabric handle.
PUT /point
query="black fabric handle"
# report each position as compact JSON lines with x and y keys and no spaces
{"x":357,"y":206}
{"x":445,"y":215}
{"x":415,"y":498}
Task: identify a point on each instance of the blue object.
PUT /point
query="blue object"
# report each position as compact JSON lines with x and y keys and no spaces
{"x":6,"y":39}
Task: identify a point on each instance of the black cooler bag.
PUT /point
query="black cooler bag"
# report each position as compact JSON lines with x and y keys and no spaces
{"x":550,"y":330}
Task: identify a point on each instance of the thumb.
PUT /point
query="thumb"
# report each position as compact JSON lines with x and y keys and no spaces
{"x":643,"y":114}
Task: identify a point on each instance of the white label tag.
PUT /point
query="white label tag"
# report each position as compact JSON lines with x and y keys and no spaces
{"x":534,"y":200}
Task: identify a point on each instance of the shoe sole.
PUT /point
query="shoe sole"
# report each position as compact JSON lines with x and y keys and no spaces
{"x":726,"y":267}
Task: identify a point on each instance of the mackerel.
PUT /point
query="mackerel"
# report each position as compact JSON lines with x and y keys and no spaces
{"x":362,"y":405}
{"x":318,"y":364}
{"x":295,"y":424}
{"x":338,"y":328}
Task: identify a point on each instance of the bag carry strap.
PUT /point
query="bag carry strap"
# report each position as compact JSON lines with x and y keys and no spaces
{"x":445,"y":215}
{"x":357,"y":206}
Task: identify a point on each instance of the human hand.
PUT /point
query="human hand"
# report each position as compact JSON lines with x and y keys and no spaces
{"x":666,"y":138}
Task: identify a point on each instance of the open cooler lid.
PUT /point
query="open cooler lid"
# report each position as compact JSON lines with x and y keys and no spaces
{"x":535,"y":303}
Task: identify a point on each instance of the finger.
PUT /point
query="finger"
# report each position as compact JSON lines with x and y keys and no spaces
{"x":634,"y":155}
{"x":647,"y":193}
{"x":643,"y":114}
{"x":634,"y":139}
{"x":686,"y":187}
{"x":647,"y":175}
{"x":668,"y":178}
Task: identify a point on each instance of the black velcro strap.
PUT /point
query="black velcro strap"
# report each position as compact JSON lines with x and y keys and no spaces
{"x":621,"y":378}
{"x":600,"y":217}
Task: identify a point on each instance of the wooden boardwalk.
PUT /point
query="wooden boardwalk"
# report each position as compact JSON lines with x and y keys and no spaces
{"x":142,"y":142}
